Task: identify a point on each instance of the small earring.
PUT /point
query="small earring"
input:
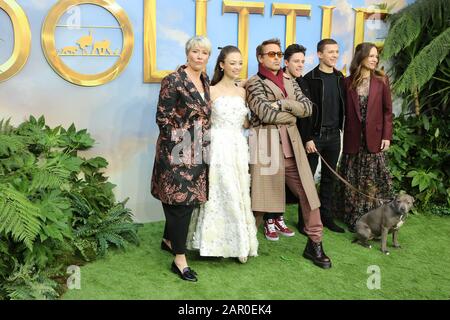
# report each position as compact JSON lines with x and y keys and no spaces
{"x":221,"y":69}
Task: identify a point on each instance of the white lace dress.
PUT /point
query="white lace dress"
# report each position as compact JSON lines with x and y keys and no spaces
{"x":225,"y":226}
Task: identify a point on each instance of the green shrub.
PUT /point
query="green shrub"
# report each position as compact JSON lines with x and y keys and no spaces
{"x":56,"y":208}
{"x":417,"y":46}
{"x":420,"y":159}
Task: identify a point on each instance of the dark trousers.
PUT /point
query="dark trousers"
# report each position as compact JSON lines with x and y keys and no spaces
{"x":271,"y":215}
{"x":177,"y":225}
{"x":329,"y":146}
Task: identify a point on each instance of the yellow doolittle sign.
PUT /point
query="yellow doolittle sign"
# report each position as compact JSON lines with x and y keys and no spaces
{"x":22,"y":35}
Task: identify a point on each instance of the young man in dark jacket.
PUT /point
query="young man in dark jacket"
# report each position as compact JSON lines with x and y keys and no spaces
{"x":324,"y":86}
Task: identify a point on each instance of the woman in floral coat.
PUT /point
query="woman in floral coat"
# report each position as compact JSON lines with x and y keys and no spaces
{"x":180,"y":170}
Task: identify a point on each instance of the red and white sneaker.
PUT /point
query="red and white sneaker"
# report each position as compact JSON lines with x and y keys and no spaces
{"x":281,"y":227}
{"x":269,"y":230}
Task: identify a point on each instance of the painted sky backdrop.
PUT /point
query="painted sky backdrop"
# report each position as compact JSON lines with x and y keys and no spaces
{"x":120,"y":115}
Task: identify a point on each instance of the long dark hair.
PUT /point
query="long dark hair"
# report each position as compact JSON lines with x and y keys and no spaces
{"x":362,"y":51}
{"x":218,"y":73}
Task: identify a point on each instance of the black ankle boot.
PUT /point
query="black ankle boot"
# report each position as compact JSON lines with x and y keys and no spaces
{"x":331,"y":225}
{"x":314,"y":252}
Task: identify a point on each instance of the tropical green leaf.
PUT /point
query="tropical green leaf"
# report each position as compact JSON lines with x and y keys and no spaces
{"x":436,"y":133}
{"x":10,"y":144}
{"x":423,"y":66}
{"x":406,"y":29}
{"x":411,"y":174}
{"x":416,"y":180}
{"x":18,"y":216}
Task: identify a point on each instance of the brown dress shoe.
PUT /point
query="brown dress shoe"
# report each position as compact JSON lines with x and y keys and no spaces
{"x":314,"y":251}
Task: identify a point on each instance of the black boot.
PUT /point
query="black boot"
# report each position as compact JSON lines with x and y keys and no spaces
{"x":331,"y":225}
{"x":314,"y":251}
{"x":301,"y":223}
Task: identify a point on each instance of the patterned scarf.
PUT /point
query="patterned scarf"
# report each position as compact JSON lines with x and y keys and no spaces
{"x":277,"y":79}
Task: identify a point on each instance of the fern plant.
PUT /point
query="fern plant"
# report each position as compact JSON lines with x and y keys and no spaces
{"x":116,"y":229}
{"x":55,"y":207}
{"x":26,"y":283}
{"x":18,"y":216}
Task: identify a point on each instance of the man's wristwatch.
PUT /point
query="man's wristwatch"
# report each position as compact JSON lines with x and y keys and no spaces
{"x":279,"y":104}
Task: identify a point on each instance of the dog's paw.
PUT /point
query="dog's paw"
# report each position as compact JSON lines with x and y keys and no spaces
{"x":397,"y":246}
{"x":386,"y":252}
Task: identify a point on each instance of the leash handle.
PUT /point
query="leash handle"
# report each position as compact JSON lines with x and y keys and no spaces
{"x":347,"y":183}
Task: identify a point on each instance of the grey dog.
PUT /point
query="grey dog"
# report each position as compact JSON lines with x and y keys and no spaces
{"x":384,"y":220}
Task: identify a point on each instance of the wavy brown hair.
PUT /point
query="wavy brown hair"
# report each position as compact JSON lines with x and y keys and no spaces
{"x":218,"y":71}
{"x":362,"y":51}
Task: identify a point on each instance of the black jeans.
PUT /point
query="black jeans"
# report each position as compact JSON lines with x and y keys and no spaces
{"x":329,"y":146}
{"x":177,"y":225}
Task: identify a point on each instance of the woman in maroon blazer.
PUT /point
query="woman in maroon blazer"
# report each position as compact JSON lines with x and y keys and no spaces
{"x":367,"y":135}
{"x":180,"y":172}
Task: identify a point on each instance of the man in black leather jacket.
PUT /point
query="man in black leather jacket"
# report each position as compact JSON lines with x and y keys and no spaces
{"x":324,"y":86}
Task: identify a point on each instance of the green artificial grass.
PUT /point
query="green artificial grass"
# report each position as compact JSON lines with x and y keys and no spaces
{"x":419,"y":270}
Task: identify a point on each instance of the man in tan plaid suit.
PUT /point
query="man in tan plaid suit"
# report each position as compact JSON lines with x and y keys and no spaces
{"x":278,"y":157}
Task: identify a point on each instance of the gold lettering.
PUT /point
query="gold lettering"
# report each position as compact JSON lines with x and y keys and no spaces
{"x":327,"y":21}
{"x":291,"y":11}
{"x":22,"y":40}
{"x":151,"y":72}
{"x":201,"y":14}
{"x":243,"y":9}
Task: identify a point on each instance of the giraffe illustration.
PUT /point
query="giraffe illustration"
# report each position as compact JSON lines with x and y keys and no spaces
{"x":85,"y":41}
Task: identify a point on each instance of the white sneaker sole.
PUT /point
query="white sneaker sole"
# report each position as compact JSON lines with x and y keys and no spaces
{"x":286,"y":234}
{"x":272,"y":239}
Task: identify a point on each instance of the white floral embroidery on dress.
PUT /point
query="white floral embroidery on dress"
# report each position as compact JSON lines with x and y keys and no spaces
{"x":225,"y":226}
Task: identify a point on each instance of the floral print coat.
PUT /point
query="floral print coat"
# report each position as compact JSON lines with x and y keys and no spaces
{"x":180,"y":170}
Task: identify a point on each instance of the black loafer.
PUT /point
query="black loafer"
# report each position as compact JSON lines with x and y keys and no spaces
{"x":164,"y":246}
{"x":187,"y":273}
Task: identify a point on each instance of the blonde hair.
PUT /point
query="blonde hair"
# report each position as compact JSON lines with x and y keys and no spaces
{"x":198,"y":41}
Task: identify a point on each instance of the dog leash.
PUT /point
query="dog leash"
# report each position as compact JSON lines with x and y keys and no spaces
{"x":348,"y":183}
